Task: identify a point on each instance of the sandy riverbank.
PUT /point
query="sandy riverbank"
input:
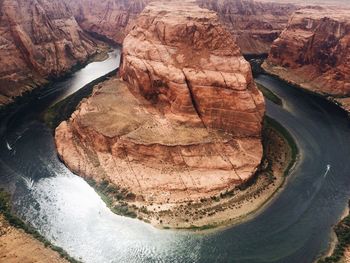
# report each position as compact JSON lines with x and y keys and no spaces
{"x":18,"y":246}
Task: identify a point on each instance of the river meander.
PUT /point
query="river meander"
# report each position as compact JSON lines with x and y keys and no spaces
{"x":295,"y":227}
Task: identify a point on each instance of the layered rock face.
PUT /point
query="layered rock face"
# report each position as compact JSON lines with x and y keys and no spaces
{"x":112,"y":18}
{"x":254,"y":24}
{"x":314,"y":51}
{"x":184,"y":124}
{"x":38,"y":39}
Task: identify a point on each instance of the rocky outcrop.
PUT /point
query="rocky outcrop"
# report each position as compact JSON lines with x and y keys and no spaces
{"x":112,"y":18}
{"x":184,"y":124}
{"x":254,"y":24}
{"x":314,"y":52}
{"x":38,"y":39}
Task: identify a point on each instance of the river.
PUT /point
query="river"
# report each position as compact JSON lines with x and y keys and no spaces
{"x":295,"y":227}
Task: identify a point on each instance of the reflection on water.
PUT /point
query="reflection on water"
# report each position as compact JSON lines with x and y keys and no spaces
{"x":89,"y":73}
{"x":65,"y":209}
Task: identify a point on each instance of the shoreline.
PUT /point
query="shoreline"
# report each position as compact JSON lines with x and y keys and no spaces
{"x":68,"y":105}
{"x":328,"y":97}
{"x":244,"y":202}
{"x":339,"y":243}
{"x":12,"y":229}
{"x":329,"y":254}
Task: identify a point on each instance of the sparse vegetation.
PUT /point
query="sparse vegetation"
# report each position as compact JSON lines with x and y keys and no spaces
{"x":115,"y":197}
{"x":342,"y":230}
{"x":269,"y":122}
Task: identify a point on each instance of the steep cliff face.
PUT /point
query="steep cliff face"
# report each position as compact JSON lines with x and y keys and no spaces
{"x":112,"y":18}
{"x":38,"y":39}
{"x":186,"y":122}
{"x":314,"y":51}
{"x":254,"y":24}
{"x":192,"y":67}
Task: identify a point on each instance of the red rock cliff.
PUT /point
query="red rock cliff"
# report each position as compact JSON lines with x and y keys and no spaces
{"x":314,"y":51}
{"x":192,"y":67}
{"x":38,"y":39}
{"x":186,"y":122}
{"x":254,"y":24}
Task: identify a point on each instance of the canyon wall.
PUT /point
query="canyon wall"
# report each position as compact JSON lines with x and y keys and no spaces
{"x":185,"y":121}
{"x":38,"y":39}
{"x":254,"y":24}
{"x":112,"y":18}
{"x":314,"y":52}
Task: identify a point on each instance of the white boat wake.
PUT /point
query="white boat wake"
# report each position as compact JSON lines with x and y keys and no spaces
{"x":8,"y":146}
{"x":28,"y":181}
{"x":327,"y":170}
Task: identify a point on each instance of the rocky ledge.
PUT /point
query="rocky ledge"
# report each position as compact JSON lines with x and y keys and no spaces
{"x":314,"y":52}
{"x":183,"y":124}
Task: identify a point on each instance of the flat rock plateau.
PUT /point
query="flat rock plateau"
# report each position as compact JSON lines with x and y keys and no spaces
{"x":183,"y":123}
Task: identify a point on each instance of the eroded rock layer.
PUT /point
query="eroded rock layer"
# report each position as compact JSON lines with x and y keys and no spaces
{"x":314,"y":52}
{"x":184,"y":124}
{"x":38,"y":39}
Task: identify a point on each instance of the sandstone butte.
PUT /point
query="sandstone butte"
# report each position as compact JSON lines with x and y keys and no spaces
{"x":184,"y":121}
{"x":38,"y":39}
{"x":314,"y":52}
{"x":254,"y":24}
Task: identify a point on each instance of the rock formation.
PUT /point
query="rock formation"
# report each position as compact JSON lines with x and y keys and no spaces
{"x":112,"y":18}
{"x":254,"y":24}
{"x":184,"y":124}
{"x":38,"y":39}
{"x":314,"y":52}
